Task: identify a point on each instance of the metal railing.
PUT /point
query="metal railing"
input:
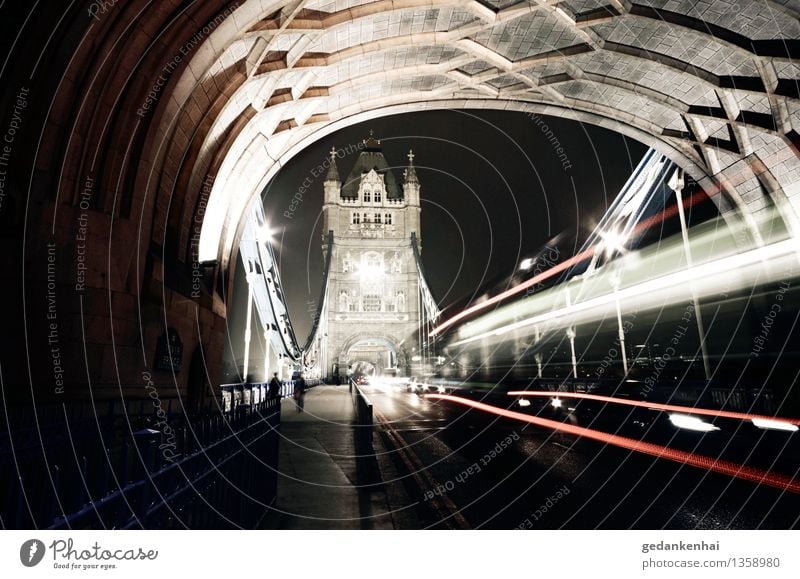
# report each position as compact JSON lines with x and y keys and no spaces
{"x":247,"y":394}
{"x":141,"y":464}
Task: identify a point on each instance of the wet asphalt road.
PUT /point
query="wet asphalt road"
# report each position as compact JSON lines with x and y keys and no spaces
{"x":502,"y":474}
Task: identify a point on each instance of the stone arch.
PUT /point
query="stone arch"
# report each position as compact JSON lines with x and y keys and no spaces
{"x":249,"y":83}
{"x":403,"y":358}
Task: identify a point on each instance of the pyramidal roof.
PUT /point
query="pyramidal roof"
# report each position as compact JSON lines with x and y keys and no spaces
{"x":371,"y":157}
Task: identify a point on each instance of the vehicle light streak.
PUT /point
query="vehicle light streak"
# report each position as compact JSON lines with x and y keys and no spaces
{"x":691,"y":423}
{"x":574,"y":260}
{"x":545,"y":275}
{"x":771,"y":424}
{"x":721,"y":466}
{"x":733,"y":268}
{"x":655,"y":406}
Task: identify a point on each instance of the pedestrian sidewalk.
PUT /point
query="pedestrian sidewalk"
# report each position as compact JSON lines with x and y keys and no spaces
{"x":318,"y":486}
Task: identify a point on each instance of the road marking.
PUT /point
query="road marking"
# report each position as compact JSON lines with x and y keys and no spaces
{"x":447,"y":511}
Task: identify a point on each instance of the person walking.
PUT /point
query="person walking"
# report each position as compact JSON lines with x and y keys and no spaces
{"x":300,"y":392}
{"x":274,"y":387}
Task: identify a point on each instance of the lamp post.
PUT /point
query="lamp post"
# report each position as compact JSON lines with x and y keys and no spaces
{"x":676,"y":187}
{"x":267,"y":338}
{"x":251,"y":280}
{"x":264,"y":235}
{"x":620,"y":329}
{"x":571,"y":336}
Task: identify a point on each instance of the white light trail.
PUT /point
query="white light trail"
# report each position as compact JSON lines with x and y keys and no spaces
{"x":761,"y":265}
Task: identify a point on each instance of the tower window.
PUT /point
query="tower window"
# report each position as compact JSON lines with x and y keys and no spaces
{"x":356,"y":218}
{"x":377,"y":218}
{"x":372,"y":303}
{"x":387,"y":218}
{"x":377,"y":195}
{"x":367,"y":195}
{"x":367,"y":218}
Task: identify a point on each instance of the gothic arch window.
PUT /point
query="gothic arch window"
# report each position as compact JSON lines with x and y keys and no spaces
{"x":356,"y":218}
{"x":377,"y":195}
{"x":377,"y":217}
{"x":387,"y":219}
{"x":367,"y":195}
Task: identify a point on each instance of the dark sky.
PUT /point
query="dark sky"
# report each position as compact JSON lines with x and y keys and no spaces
{"x":493,"y":191}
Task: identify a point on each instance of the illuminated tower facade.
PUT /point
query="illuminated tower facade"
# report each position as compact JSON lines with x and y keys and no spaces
{"x":371,"y":227}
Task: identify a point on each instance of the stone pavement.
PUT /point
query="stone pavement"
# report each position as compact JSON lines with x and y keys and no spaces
{"x":318,"y":480}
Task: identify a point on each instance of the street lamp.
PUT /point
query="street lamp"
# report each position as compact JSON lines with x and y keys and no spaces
{"x":267,"y":338}
{"x":675,"y":185}
{"x":620,"y":329}
{"x":613,"y":242}
{"x":265,"y":234}
{"x":251,"y":280}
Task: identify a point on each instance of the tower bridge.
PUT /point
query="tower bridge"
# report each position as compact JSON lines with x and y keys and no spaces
{"x":375,"y":298}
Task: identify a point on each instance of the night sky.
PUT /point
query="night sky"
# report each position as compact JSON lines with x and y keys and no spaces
{"x":494,"y":190}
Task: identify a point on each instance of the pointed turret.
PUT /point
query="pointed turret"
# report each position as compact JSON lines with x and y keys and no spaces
{"x":411,"y":182}
{"x":332,"y":184}
{"x":410,"y":173}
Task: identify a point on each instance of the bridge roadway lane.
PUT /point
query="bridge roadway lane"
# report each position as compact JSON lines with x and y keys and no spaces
{"x":503,"y":474}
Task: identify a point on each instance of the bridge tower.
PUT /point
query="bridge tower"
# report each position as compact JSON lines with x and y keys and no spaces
{"x":377,"y":301}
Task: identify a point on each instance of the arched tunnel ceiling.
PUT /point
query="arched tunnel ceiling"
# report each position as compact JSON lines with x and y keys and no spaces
{"x":711,"y":84}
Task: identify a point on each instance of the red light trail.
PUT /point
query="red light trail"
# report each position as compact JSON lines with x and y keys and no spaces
{"x":725,"y":467}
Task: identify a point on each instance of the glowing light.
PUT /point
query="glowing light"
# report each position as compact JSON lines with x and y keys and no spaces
{"x":524,"y":403}
{"x":656,"y":406}
{"x":526,"y":264}
{"x":613,"y":241}
{"x":555,"y":403}
{"x":371,"y":273}
{"x":774,"y":425}
{"x":416,"y":358}
{"x":691,"y":423}
{"x":265,"y":233}
{"x":721,"y":466}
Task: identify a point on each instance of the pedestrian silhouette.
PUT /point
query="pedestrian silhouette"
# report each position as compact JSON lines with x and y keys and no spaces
{"x":274,"y":387}
{"x":300,"y":392}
